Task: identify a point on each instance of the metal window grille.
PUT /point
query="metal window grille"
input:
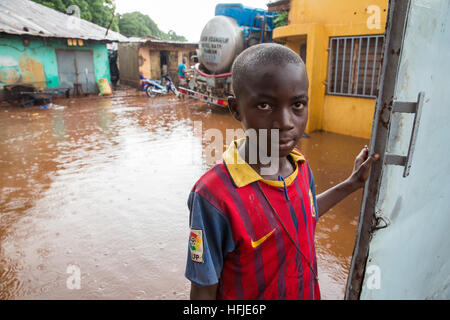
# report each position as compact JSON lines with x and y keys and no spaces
{"x":354,"y":65}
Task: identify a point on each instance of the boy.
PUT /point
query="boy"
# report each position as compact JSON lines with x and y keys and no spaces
{"x":252,"y":232}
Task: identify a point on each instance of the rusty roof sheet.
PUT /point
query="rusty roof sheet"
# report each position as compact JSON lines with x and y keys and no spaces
{"x":151,"y":40}
{"x":24,"y":17}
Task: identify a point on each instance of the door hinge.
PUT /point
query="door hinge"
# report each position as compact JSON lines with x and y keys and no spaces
{"x":381,"y":221}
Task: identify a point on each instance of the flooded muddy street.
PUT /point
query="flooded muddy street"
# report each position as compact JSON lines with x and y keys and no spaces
{"x":99,"y":186}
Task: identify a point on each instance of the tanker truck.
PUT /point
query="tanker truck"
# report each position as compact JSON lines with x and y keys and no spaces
{"x":233,"y":29}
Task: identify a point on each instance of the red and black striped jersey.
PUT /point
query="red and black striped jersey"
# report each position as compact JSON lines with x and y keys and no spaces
{"x":254,"y":237}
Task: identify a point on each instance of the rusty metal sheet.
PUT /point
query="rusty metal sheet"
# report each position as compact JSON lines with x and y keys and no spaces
{"x":23,"y":17}
{"x":380,"y":132}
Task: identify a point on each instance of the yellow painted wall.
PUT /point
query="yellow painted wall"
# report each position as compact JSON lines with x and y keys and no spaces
{"x":149,"y":61}
{"x":343,"y":17}
{"x":184,"y":53}
{"x":317,"y":21}
{"x":348,"y":115}
{"x":144,"y":62}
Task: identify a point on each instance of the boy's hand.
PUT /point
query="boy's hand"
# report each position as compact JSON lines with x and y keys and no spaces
{"x":361,"y":168}
{"x":359,"y":176}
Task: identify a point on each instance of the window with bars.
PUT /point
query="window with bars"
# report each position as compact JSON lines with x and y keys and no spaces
{"x":354,"y":65}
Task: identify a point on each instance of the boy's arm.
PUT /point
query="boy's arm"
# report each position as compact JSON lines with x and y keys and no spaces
{"x":329,"y":198}
{"x":203,"y":293}
{"x":210,"y":240}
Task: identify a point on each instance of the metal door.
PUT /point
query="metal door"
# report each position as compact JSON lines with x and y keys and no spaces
{"x":402,"y":248}
{"x":76,"y":66}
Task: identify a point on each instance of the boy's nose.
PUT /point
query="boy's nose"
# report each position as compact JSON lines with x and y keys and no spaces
{"x":283,"y":119}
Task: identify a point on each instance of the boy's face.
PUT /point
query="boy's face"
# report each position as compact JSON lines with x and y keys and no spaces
{"x":274,"y":97}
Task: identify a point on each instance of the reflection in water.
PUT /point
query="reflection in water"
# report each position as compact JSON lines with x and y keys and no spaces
{"x":102,"y":184}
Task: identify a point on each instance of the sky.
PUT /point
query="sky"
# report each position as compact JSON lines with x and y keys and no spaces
{"x":185,"y":17}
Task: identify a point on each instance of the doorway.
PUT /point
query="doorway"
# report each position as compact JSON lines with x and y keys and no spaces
{"x":164,"y":62}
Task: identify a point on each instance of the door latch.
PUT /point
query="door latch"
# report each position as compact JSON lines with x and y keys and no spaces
{"x":381,"y":221}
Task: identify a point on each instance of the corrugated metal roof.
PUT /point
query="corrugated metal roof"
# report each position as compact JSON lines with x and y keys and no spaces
{"x":24,"y":17}
{"x":172,"y":42}
{"x":150,"y":40}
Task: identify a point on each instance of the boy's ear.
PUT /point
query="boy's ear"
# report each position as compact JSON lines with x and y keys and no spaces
{"x":232,"y":106}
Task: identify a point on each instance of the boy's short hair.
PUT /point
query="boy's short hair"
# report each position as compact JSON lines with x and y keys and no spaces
{"x":258,"y":56}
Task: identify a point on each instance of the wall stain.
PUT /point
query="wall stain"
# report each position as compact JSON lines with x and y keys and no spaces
{"x":32,"y":71}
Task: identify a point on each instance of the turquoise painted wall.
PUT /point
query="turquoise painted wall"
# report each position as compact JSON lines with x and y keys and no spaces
{"x":37,"y":62}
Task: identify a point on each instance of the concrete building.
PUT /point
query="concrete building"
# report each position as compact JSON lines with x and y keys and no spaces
{"x":46,"y":48}
{"x":277,"y":6}
{"x":341,"y":43}
{"x":151,"y":57}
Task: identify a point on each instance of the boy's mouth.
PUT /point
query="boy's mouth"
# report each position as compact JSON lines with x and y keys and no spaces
{"x":286,"y":144}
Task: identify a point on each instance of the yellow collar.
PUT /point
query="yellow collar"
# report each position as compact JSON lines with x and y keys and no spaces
{"x":243,"y":174}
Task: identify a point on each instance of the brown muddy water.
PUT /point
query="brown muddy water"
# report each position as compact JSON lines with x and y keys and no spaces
{"x":99,"y":186}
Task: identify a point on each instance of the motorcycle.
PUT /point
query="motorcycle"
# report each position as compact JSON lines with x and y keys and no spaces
{"x":155,"y":88}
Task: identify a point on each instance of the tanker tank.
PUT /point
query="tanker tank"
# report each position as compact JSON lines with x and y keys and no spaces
{"x":233,"y":29}
{"x":220,"y":42}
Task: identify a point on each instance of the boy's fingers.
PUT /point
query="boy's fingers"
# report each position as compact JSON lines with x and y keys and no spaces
{"x":361,"y":157}
{"x":371,"y":159}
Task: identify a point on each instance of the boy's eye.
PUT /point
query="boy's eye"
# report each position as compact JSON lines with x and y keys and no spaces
{"x":299,"y":105}
{"x":263,"y":106}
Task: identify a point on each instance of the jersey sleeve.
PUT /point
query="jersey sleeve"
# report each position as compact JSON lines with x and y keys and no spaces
{"x":312,"y":193}
{"x":210,"y":239}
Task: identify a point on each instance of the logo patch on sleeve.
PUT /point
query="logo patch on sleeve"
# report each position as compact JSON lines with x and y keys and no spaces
{"x":196,"y":245}
{"x":311,"y":202}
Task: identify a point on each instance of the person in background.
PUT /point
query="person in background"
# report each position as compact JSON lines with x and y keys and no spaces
{"x":182,"y":74}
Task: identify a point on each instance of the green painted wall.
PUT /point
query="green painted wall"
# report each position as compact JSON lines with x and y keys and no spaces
{"x":37,"y":62}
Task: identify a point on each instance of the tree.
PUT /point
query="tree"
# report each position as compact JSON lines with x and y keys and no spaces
{"x":175,"y":37}
{"x":100,"y":12}
{"x":136,"y":24}
{"x":281,"y":19}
